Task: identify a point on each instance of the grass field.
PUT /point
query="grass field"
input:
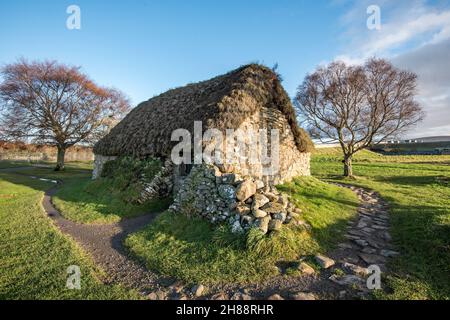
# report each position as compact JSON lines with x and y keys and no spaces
{"x":418,"y":191}
{"x":82,"y":200}
{"x":195,"y":252}
{"x":34,"y":255}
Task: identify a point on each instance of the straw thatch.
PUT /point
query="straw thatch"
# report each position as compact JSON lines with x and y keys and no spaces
{"x":223,"y":102}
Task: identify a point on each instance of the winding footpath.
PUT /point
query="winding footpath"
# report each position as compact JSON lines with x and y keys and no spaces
{"x":343,"y":274}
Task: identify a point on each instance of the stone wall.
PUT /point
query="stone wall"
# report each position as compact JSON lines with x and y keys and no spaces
{"x":219,"y":195}
{"x":99,"y":161}
{"x":292,"y":162}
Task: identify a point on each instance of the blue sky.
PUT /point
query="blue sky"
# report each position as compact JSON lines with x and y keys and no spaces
{"x":147,"y":47}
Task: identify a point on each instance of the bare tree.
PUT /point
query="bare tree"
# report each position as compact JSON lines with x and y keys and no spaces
{"x":358,"y":106}
{"x":56,"y":104}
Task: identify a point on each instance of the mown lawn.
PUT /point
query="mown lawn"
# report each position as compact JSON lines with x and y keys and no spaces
{"x":82,"y":200}
{"x":85,"y":201}
{"x":196,"y":252}
{"x":34,"y":255}
{"x":418,"y":191}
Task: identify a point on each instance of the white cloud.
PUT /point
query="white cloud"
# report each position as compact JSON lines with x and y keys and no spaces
{"x":415,"y":36}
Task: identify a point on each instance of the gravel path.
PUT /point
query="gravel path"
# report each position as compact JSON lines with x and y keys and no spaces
{"x":343,"y":274}
{"x":105,"y":244}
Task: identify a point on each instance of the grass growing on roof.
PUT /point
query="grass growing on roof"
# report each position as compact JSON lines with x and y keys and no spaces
{"x":196,"y":252}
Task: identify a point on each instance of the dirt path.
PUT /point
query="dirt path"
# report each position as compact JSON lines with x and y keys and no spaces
{"x":105,"y":244}
{"x":368,"y":243}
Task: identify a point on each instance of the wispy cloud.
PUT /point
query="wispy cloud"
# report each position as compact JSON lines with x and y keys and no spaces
{"x":415,"y":35}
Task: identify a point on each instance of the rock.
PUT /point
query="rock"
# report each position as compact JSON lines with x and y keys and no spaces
{"x":243,"y":209}
{"x":369,"y":250}
{"x":324,"y":261}
{"x":306,"y":268}
{"x":258,"y":213}
{"x":298,"y":210}
{"x":220,"y":296}
{"x":275,"y":225}
{"x":228,"y":178}
{"x":272,"y":197}
{"x":275,"y":297}
{"x":245,"y":190}
{"x":389,"y":253}
{"x":349,"y":280}
{"x":248,"y":219}
{"x":280,"y":216}
{"x":345,"y":246}
{"x":158,"y":295}
{"x":226,"y":168}
{"x":356,"y":269}
{"x":226,"y":192}
{"x":259,"y":184}
{"x":177,"y":287}
{"x":372,"y":258}
{"x":241,"y":296}
{"x":368,"y":230}
{"x":361,"y":224}
{"x":259,"y":200}
{"x":197,"y":290}
{"x":361,"y":242}
{"x":236,"y":227}
{"x":303,"y":296}
{"x":273,"y":207}
{"x":263,"y":224}
{"x":283,"y":200}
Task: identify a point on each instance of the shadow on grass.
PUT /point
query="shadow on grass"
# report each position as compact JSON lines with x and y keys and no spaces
{"x":408,"y":180}
{"x":100,"y":205}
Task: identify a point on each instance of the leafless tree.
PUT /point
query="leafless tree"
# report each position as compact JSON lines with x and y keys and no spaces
{"x":358,"y":106}
{"x":56,"y":104}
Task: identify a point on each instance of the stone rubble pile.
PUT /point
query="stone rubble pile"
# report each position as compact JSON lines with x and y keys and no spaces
{"x":219,"y":195}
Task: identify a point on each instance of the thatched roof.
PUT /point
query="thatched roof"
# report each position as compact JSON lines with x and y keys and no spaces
{"x":222,"y":102}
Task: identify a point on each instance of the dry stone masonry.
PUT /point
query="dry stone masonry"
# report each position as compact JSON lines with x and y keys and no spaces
{"x":248,"y":99}
{"x":219,"y":195}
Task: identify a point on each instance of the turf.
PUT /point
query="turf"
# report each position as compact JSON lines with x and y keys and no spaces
{"x":196,"y":252}
{"x":418,"y":191}
{"x":94,"y":202}
{"x":35,"y":255}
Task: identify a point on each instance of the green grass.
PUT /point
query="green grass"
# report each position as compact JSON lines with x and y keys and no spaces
{"x":35,"y":255}
{"x":87,"y":201}
{"x":82,"y":200}
{"x":196,"y":252}
{"x":418,"y":191}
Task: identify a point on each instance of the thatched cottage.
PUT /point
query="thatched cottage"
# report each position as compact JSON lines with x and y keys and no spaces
{"x":248,"y":98}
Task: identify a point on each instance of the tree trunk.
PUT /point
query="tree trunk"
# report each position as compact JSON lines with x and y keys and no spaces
{"x":348,"y":170}
{"x":60,"y":159}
